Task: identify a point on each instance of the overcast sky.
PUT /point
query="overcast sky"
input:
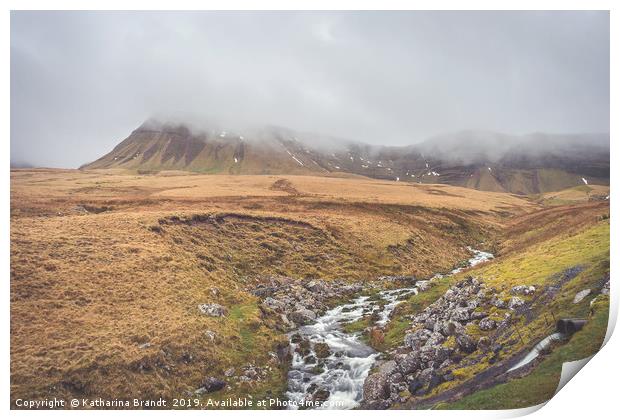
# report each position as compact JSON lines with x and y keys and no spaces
{"x":82,"y":81}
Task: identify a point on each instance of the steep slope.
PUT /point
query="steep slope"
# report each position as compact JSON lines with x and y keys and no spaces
{"x":172,"y":147}
{"x":485,"y":161}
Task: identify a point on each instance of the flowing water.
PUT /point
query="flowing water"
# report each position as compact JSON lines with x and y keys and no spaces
{"x":535,"y":352}
{"x":342,"y":374}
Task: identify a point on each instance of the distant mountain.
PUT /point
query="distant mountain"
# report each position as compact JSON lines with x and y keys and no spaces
{"x":482,"y":160}
{"x":21,"y":165}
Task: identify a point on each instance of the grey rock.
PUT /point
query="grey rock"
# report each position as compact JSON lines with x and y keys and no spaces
{"x":487,"y":324}
{"x":302,"y":316}
{"x":389,"y":368}
{"x":465,"y":343}
{"x":424,"y":285}
{"x":498,"y":303}
{"x":274,"y":304}
{"x":484,"y":343}
{"x":460,"y":314}
{"x":376,"y":387}
{"x":212,"y":309}
{"x":522,"y":290}
{"x":515,"y":302}
{"x":407,"y":363}
{"x":417,"y":338}
{"x":478,"y":315}
{"x":435,"y":339}
{"x":212,"y":384}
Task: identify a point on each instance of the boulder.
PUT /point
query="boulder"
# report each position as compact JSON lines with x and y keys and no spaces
{"x":407,"y":363}
{"x":435,"y":339}
{"x":302,"y":316}
{"x":212,"y":309}
{"x":460,"y":315}
{"x":274,"y":304}
{"x":452,"y":328}
{"x":389,"y":368}
{"x":377,"y":387}
{"x":487,"y":324}
{"x":415,"y":387}
{"x":417,"y":338}
{"x":322,"y":350}
{"x":465,"y":343}
{"x":315,"y":286}
{"x":426,"y":375}
{"x":212,"y":384}
{"x":515,"y":302}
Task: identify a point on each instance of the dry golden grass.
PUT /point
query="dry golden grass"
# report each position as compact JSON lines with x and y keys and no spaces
{"x":88,"y":288}
{"x":579,"y":194}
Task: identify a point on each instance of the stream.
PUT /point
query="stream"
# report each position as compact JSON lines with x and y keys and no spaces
{"x":543,"y":345}
{"x":341,"y":375}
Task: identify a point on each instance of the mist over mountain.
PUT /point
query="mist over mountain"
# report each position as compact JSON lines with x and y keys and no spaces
{"x":476,"y":159}
{"x":82,"y":80}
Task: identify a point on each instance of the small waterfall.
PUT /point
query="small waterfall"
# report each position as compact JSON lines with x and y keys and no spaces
{"x":341,"y":375}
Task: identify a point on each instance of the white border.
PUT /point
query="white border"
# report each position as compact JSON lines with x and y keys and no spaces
{"x":592,"y":395}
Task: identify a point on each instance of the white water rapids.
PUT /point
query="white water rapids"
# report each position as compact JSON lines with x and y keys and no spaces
{"x":342,"y":374}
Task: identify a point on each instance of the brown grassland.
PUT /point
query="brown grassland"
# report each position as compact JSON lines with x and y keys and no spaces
{"x":98,"y":272}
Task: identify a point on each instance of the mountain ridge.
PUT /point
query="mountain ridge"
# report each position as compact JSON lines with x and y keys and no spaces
{"x":484,"y":160}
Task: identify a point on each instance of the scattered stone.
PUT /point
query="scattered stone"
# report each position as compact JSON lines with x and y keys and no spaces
{"x":274,"y":304}
{"x":605,"y":289}
{"x":212,"y":384}
{"x":522,"y":290}
{"x":144,"y":346}
{"x":424,"y":285}
{"x":515,"y":302}
{"x":212,"y":309}
{"x":498,"y":303}
{"x":229,"y":372}
{"x":465,"y":343}
{"x":487,"y":324}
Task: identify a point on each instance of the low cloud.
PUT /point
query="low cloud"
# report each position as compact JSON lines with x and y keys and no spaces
{"x":82,"y":81}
